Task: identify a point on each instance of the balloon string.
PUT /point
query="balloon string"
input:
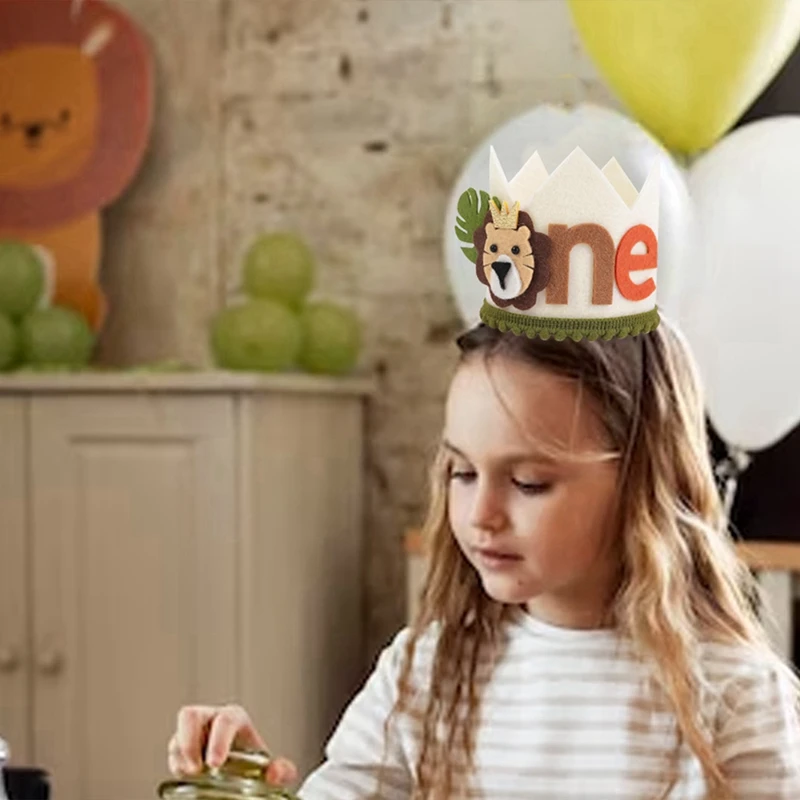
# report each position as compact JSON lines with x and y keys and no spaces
{"x":729,"y":470}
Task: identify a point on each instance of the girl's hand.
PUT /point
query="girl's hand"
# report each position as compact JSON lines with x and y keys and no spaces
{"x":209,"y":733}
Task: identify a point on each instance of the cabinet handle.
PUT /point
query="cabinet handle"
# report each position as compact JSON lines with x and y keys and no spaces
{"x":50,"y":662}
{"x":9,"y":659}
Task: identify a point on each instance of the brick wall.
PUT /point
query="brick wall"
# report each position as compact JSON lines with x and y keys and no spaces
{"x":348,"y":121}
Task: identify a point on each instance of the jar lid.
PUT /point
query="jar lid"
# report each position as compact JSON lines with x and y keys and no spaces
{"x":241,"y":776}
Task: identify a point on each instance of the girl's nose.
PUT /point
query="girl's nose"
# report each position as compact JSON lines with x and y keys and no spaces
{"x":488,"y":508}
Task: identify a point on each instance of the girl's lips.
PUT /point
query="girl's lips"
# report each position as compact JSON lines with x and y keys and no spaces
{"x":496,"y":559}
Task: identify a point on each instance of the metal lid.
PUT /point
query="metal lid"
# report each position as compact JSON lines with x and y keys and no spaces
{"x":241,"y":776}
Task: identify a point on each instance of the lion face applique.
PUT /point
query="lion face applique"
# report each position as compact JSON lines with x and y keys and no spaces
{"x":513,"y":258}
{"x":508,"y":262}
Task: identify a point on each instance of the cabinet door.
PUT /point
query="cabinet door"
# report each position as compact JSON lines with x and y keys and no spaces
{"x":134,"y":611}
{"x":14,"y":608}
{"x":301,"y":566}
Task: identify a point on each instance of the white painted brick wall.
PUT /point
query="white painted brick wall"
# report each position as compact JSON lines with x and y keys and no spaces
{"x":348,"y":121}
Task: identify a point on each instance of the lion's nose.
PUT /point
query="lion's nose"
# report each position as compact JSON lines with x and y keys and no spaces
{"x":33,"y":131}
{"x":501,"y":269}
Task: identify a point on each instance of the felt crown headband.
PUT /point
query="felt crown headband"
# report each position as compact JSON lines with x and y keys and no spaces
{"x":572,"y":254}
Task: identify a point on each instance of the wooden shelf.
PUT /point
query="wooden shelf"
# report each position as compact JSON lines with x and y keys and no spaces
{"x":200,"y":381}
{"x":779,"y":556}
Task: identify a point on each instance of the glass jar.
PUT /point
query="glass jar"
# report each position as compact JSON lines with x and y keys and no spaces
{"x":239,"y":778}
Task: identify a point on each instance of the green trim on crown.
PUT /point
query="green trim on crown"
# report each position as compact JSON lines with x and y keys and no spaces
{"x":575,"y":329}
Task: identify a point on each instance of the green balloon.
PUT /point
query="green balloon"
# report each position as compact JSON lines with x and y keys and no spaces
{"x":56,"y":337}
{"x":331,"y":339}
{"x":9,"y":343}
{"x":280,"y":267}
{"x":261,"y":335}
{"x":21,"y":278}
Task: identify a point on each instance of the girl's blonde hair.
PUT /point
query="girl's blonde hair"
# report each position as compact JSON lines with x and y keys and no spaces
{"x":681,"y":581}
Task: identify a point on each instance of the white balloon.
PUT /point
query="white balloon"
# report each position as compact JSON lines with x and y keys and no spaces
{"x":555,"y":132}
{"x":742,"y":315}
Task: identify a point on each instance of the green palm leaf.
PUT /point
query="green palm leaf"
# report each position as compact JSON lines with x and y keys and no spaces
{"x":472,"y":208}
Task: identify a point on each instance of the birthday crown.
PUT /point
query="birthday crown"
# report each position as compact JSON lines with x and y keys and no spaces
{"x":572,"y":254}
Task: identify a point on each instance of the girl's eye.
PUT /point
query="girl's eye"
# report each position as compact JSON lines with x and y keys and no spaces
{"x":462,"y":475}
{"x":532,"y":487}
{"x":493,"y":248}
{"x":515,"y":249}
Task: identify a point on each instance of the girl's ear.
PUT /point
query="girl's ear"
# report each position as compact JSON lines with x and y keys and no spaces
{"x":98,"y":39}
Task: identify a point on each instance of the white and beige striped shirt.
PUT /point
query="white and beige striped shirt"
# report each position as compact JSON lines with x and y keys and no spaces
{"x":573,"y":714}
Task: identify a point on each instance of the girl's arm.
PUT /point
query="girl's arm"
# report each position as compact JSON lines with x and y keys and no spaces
{"x":758,"y":743}
{"x":362,"y":761}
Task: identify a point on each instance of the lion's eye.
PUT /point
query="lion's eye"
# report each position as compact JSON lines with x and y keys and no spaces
{"x":5,"y":119}
{"x":515,"y":249}
{"x":65,"y":115}
{"x":493,"y":248}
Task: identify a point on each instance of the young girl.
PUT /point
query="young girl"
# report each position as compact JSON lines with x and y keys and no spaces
{"x":586,"y":629}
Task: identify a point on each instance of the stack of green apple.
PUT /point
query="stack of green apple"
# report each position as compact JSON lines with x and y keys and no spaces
{"x":32,"y":336}
{"x":277,"y":328}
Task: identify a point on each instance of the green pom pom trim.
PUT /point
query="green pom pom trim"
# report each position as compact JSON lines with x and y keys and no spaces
{"x":575,"y":329}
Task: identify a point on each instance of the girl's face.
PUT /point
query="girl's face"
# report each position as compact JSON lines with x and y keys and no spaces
{"x":539,"y":529}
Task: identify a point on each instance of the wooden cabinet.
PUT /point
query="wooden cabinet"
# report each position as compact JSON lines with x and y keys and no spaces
{"x":170,"y":540}
{"x":15,"y":618}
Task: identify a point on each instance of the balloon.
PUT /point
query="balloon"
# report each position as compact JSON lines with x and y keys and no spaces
{"x":741,"y":319}
{"x":688,"y":69}
{"x":331,"y":339}
{"x":259,"y":335}
{"x":56,"y":337}
{"x":280,"y":267}
{"x":9,"y":343}
{"x":22,"y":278}
{"x":555,"y":132}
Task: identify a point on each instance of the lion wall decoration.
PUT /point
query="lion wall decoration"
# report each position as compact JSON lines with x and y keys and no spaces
{"x":76,"y":101}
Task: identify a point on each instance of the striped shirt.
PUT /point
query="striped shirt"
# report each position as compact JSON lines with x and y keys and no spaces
{"x":574,"y":714}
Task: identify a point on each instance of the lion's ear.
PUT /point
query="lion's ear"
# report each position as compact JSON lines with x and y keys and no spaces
{"x":526,"y":230}
{"x":98,"y":39}
{"x":489,"y":227}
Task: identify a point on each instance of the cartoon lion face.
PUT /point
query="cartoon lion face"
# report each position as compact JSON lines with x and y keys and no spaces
{"x":76,"y":107}
{"x":48,"y":115}
{"x":513,"y":263}
{"x":508,"y":261}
